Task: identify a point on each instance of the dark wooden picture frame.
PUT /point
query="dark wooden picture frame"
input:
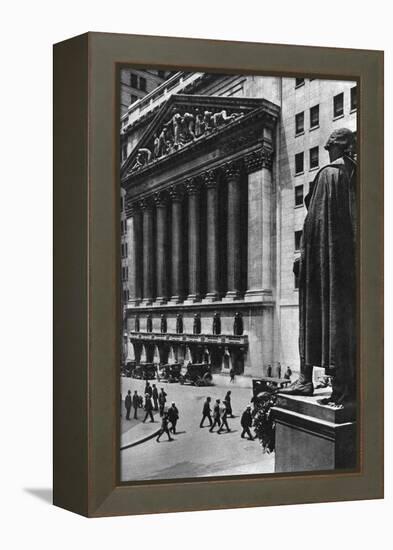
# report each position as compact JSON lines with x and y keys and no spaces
{"x":87,"y":312}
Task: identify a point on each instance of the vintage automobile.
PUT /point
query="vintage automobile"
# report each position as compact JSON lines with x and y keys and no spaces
{"x":197,"y":374}
{"x":126,"y":370}
{"x":144,"y":371}
{"x":169,"y":372}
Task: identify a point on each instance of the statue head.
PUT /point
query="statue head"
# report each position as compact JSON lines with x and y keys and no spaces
{"x":340,"y":142}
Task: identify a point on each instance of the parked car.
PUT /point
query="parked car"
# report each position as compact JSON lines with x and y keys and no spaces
{"x":126,"y":370}
{"x":144,"y":371}
{"x":169,"y":372}
{"x":197,"y":374}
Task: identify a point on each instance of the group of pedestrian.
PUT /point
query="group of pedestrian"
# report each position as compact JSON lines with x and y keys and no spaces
{"x":221,"y":413}
{"x":134,"y":401}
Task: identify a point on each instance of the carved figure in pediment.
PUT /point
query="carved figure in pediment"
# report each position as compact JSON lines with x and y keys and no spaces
{"x":162,"y":145}
{"x":207,"y":121}
{"x":143,"y":157}
{"x":156,"y":149}
{"x":221,"y":117}
{"x":188,"y":126}
{"x":198,"y":123}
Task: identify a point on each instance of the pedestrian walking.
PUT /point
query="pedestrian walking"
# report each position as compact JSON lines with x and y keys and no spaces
{"x":224,"y":421}
{"x":246,"y":423}
{"x":228,"y":401}
{"x":148,"y":408}
{"x":232,"y":375}
{"x":127,"y":404}
{"x":216,"y":416}
{"x":135,"y":403}
{"x":206,"y":412}
{"x":173,"y":417}
{"x":162,"y":400}
{"x":164,"y":428}
{"x":148,"y":389}
{"x":155,"y":397}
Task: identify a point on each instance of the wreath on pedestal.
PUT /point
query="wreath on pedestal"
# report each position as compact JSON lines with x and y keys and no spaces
{"x":264,"y":425}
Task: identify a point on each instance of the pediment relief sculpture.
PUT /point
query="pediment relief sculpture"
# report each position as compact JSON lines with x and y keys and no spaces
{"x":181,"y":127}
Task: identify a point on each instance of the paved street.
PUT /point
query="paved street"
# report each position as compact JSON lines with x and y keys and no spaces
{"x":195,"y":451}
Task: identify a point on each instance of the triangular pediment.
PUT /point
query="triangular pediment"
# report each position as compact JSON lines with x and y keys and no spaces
{"x":185,"y":120}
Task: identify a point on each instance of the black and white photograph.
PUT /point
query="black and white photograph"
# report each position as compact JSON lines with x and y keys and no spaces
{"x":239,"y":262}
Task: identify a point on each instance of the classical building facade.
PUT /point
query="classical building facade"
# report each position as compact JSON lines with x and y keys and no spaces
{"x":211,"y":175}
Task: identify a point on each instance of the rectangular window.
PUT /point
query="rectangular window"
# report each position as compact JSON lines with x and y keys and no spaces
{"x":299,"y":123}
{"x":298,"y":236}
{"x":299,"y":163}
{"x":314,"y":116}
{"x":338,"y":105}
{"x":122,"y":250}
{"x":134,"y":80}
{"x":298,"y":195}
{"x":134,"y":98}
{"x":314,"y":157}
{"x":142,"y":84}
{"x":121,"y":203}
{"x":161,"y":74}
{"x":299,"y":82}
{"x":354,"y":98}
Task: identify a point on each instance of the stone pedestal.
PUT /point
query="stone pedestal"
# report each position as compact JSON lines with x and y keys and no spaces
{"x":313,"y":437}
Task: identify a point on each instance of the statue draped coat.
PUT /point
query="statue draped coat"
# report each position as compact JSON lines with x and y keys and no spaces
{"x":327,"y":272}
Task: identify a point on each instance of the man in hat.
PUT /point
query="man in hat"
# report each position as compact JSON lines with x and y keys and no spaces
{"x":155,"y":397}
{"x":224,"y":417}
{"x":135,"y":403}
{"x":164,"y":428}
{"x":162,"y":400}
{"x":148,"y":408}
{"x":173,"y":417}
{"x":246,"y":423}
{"x":206,"y":412}
{"x":327,"y":275}
{"x":127,"y":404}
{"x":216,"y":416}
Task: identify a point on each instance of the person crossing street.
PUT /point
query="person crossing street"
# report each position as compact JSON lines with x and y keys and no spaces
{"x":164,"y":428}
{"x":173,"y":417}
{"x":224,"y":421}
{"x":148,"y":408}
{"x":206,"y":412}
{"x":216,"y":416}
{"x":246,"y":423}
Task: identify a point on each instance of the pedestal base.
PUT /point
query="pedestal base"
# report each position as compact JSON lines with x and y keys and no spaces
{"x":313,"y":437}
{"x":192,"y":298}
{"x":210,"y":297}
{"x":231,"y":296}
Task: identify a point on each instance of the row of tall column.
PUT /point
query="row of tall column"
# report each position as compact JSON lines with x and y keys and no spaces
{"x":144,"y":241}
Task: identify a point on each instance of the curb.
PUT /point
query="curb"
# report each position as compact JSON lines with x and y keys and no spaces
{"x":146,"y":438}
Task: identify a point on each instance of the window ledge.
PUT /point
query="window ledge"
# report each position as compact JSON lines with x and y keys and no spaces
{"x":353,"y":110}
{"x":300,"y":85}
{"x":314,"y":168}
{"x":299,"y":173}
{"x":338,"y":117}
{"x":299,"y":206}
{"x":314,"y":128}
{"x":299,"y":134}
